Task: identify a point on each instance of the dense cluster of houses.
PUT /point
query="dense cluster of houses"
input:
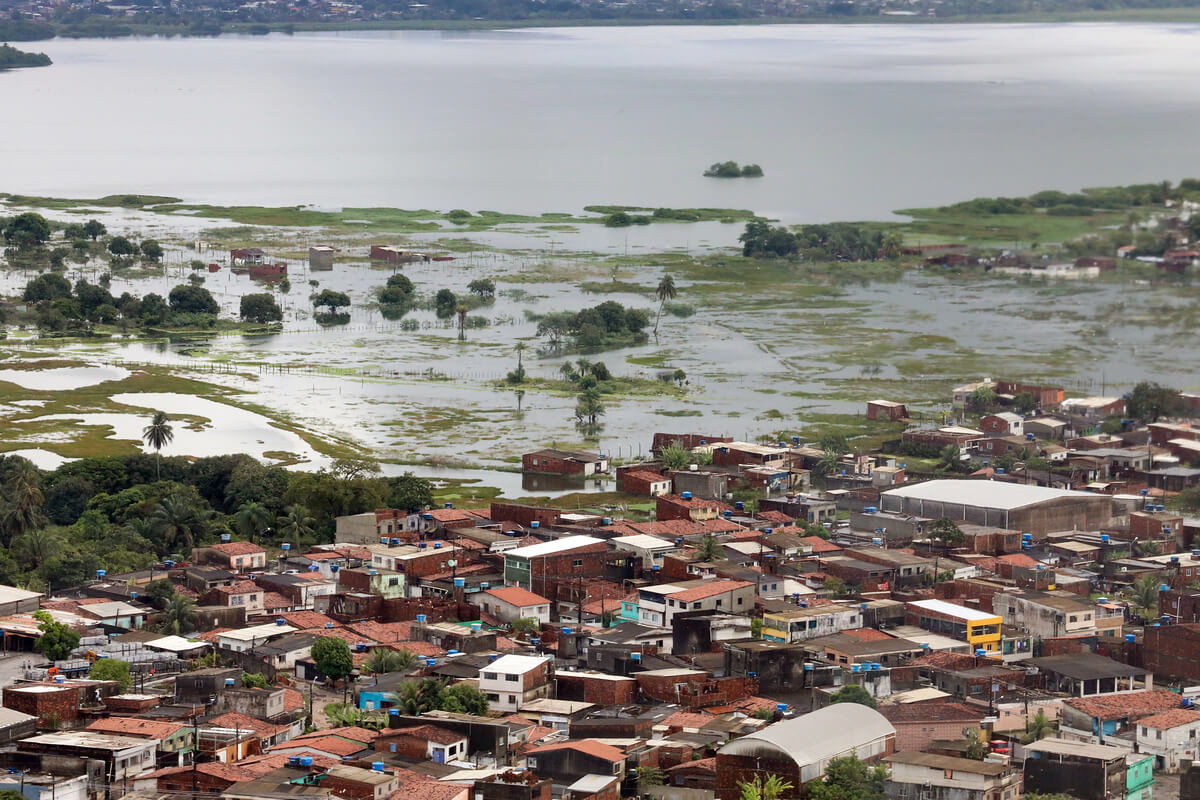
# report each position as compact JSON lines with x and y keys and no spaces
{"x":993,"y":628}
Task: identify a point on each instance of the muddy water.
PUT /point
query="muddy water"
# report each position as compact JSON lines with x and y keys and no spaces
{"x":849,"y":122}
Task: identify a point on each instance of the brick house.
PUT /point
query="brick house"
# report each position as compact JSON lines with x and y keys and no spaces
{"x":542,"y":568}
{"x":357,"y":783}
{"x":234,"y":556}
{"x":594,"y":787}
{"x":423,"y":742}
{"x":918,"y":725}
{"x":693,"y":688}
{"x":1003,"y":423}
{"x":688,"y":507}
{"x":1044,"y":396}
{"x":243,"y":594}
{"x":567,"y":762}
{"x":595,"y":687}
{"x":510,"y":603}
{"x":395,"y":255}
{"x":643,"y":482}
{"x":59,"y":704}
{"x":688,"y":441}
{"x":737,"y":454}
{"x":564,"y":462}
{"x":886,"y":409}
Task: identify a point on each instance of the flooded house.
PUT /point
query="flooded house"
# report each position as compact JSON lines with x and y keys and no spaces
{"x":320,"y":256}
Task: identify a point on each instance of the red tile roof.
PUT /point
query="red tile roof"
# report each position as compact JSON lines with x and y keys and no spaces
{"x":430,"y":790}
{"x":354,"y":733}
{"x":274,"y":601}
{"x":215,"y":769}
{"x":868,"y":635}
{"x":710,"y":589}
{"x":752,"y":704}
{"x":687,"y":719}
{"x":244,"y":722}
{"x":133,"y":726}
{"x":820,"y":545}
{"x":257,"y":766}
{"x":516,"y":596}
{"x":932,"y":712}
{"x":238,"y":548}
{"x":293,"y":700}
{"x":1017,"y":560}
{"x":383,"y":632}
{"x":241,"y":587}
{"x":1170,"y":719}
{"x":699,"y":765}
{"x":332,"y":745}
{"x":589,"y":746}
{"x":694,"y":502}
{"x":306,"y":619}
{"x":448,"y":514}
{"x":422,"y":649}
{"x":777,"y":517}
{"x":1129,"y":704}
{"x":346,"y":635}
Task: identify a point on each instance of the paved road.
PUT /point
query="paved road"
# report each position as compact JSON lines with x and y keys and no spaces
{"x":12,"y":666}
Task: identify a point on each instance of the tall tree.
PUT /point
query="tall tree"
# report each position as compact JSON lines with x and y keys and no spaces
{"x":158,"y":434}
{"x":21,"y":501}
{"x":178,"y":616}
{"x":1039,"y":726}
{"x":770,"y":787}
{"x":847,"y":778}
{"x":332,"y":657}
{"x":295,"y":524}
{"x":710,"y":550}
{"x":57,"y":639}
{"x":665,"y":291}
{"x":252,"y":519}
{"x":1149,"y":401}
{"x":178,"y":522}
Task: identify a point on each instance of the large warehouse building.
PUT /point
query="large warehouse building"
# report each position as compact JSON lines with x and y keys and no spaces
{"x":1014,"y":506}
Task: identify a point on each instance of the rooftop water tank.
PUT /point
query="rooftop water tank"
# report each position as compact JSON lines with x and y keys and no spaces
{"x":421,"y":617}
{"x":306,"y":761}
{"x":460,"y":582}
{"x":535,"y":524}
{"x":281,"y":621}
{"x":1129,"y":637}
{"x":448,"y":505}
{"x":427,"y":516}
{"x":437,"y":545}
{"x":635,"y":656}
{"x":377,"y":766}
{"x":566,"y":631}
{"x":225,"y":537}
{"x":781,"y":706}
{"x":334,"y":568}
{"x":286,"y":546}
{"x":230,"y":681}
{"x":687,"y":495}
{"x":739,"y":505}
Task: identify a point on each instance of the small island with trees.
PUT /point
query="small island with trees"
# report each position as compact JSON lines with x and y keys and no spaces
{"x":12,"y":58}
{"x":731,"y":169}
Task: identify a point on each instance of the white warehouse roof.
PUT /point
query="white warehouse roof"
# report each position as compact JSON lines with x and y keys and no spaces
{"x":552,"y":547}
{"x":953,"y":610}
{"x":814,"y":738}
{"x":984,"y":494}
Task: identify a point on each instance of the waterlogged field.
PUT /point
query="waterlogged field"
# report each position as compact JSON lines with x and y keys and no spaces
{"x":766,"y":349}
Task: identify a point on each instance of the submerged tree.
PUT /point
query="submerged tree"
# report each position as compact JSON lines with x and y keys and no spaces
{"x":665,"y":291}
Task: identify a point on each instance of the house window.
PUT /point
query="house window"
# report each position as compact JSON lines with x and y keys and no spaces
{"x":739,"y":602}
{"x":393,"y":747}
{"x":493,"y":697}
{"x":577,"y":562}
{"x":531,"y":762}
{"x":1158,"y":734}
{"x":1074,"y":618}
{"x":393,"y":581}
{"x":513,"y":678}
{"x":718,"y":604}
{"x":696,"y":605}
{"x":512,"y":698}
{"x":491,"y":676}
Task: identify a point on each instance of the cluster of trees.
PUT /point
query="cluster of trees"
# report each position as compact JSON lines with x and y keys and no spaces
{"x":591,"y":380}
{"x":1110,"y":198}
{"x":433,"y":694}
{"x":128,"y":512}
{"x":332,"y":301}
{"x":12,"y":58}
{"x":730,"y":169}
{"x":837,"y":241}
{"x":608,"y":324}
{"x":61,"y":306}
{"x":260,"y":308}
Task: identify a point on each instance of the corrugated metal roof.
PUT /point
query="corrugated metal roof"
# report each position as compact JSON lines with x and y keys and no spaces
{"x":812,"y":738}
{"x":986,"y":494}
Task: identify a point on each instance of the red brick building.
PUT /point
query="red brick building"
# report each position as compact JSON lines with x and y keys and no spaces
{"x":688,"y":441}
{"x":918,"y":725}
{"x":1171,"y":650}
{"x":686,"y":507}
{"x":643,"y":482}
{"x":524,"y":515}
{"x":422,"y":742}
{"x":1044,"y":396}
{"x":596,"y":687}
{"x":549,"y":567}
{"x":564,"y":462}
{"x":886,"y":409}
{"x":693,"y":688}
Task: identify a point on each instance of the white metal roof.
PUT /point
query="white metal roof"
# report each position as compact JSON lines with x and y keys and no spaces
{"x":592,"y":784}
{"x":643,"y":541}
{"x":176,"y":644}
{"x":953,"y":609}
{"x":556,"y":546}
{"x":257,"y":632}
{"x":514,"y":665}
{"x":1088,"y":402}
{"x":986,"y":494}
{"x":11,"y":594}
{"x":825,"y":733}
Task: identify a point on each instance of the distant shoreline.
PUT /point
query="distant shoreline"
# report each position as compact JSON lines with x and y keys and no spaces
{"x":1164,"y":16}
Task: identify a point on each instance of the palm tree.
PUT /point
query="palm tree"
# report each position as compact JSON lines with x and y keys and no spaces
{"x":36,"y":547}
{"x":665,"y":291}
{"x":759,"y":788}
{"x":179,"y":616}
{"x":23,"y":510}
{"x":252,"y":519}
{"x":295,"y":525}
{"x":158,"y":434}
{"x":383,"y":661}
{"x":893,"y":245}
{"x":462,"y":320}
{"x":950,"y":458}
{"x":1144,"y":595}
{"x":1039,"y":726}
{"x":710,"y":549}
{"x":177,"y":522}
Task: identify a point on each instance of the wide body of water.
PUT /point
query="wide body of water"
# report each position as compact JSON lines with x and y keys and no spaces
{"x":849,"y":122}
